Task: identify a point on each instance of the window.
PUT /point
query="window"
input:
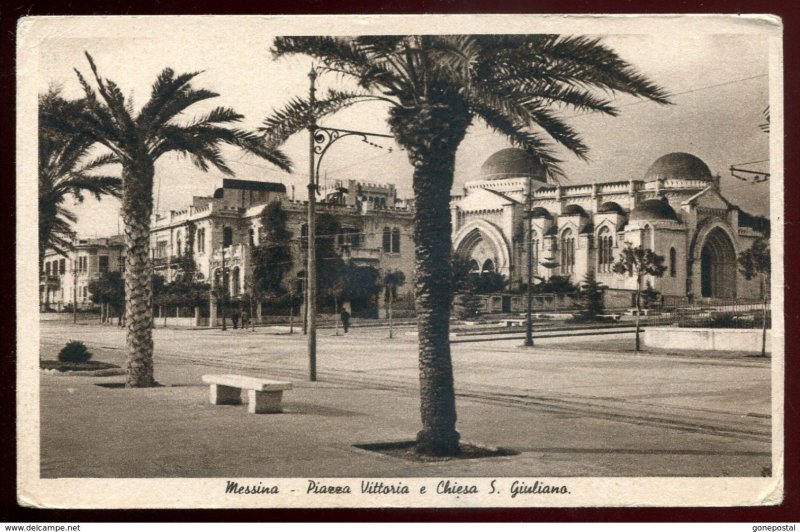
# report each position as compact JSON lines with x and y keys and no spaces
{"x":62,"y":266}
{"x":103,"y":264}
{"x":673,"y":260}
{"x":647,"y":237}
{"x":161,"y":249}
{"x":85,"y":293}
{"x":567,"y":252}
{"x":534,"y":252}
{"x":227,"y":236}
{"x":605,"y":250}
{"x":47,"y":269}
{"x":387,"y":239}
{"x":178,"y":243}
{"x":251,"y":234}
{"x":121,"y":263}
{"x":391,"y":240}
{"x":201,"y":240}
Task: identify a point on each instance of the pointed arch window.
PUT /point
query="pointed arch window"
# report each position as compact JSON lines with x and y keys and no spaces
{"x":605,"y":250}
{"x":567,"y":252}
{"x":535,"y":252}
{"x":201,"y":240}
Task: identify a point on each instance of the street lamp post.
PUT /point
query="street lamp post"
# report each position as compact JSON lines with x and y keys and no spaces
{"x":311,"y":286}
{"x":320,"y":139}
{"x":529,"y":318}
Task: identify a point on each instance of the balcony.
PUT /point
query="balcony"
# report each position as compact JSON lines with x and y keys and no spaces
{"x":361,"y":254}
{"x":49,"y":280}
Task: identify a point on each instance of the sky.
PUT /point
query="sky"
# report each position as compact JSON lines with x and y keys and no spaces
{"x":719,"y":85}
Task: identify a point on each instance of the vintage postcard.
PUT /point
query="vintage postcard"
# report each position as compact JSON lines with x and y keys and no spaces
{"x":400,"y":261}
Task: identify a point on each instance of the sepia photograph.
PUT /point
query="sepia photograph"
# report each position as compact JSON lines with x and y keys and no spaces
{"x":406,"y":261}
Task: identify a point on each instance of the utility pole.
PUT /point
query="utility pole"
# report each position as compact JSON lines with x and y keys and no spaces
{"x":224,"y":279}
{"x":74,"y":292}
{"x":529,"y":320}
{"x":311,"y":286}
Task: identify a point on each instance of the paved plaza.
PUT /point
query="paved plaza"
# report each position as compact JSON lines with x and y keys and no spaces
{"x":571,"y":406}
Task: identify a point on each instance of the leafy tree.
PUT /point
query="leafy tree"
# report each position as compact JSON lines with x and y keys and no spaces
{"x":435,"y":86}
{"x":331,"y":267}
{"x":66,"y":170}
{"x":361,"y":283}
{"x":109,"y":289}
{"x":757,"y":262}
{"x":489,"y":282}
{"x":137,"y":141}
{"x":590,"y":297}
{"x":649,"y":295}
{"x":639,"y":262}
{"x":392,"y":280}
{"x":460,"y":268}
{"x":272,"y":257}
{"x":556,"y":284}
{"x":468,"y":303}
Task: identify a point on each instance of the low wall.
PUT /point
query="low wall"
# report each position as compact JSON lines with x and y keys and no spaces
{"x":706,"y":339}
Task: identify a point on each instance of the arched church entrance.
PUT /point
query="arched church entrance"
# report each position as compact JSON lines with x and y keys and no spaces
{"x":718,"y":266}
{"x":484,"y":247}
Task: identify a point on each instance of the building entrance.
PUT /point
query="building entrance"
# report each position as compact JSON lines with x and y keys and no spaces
{"x":718,"y":266}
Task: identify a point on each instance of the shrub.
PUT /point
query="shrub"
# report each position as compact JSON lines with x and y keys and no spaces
{"x":75,"y":351}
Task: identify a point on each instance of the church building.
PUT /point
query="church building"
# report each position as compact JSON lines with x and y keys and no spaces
{"x":676,"y":209}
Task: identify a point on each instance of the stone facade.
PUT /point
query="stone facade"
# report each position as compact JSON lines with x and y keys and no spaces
{"x":676,"y":210}
{"x":65,"y":280}
{"x":376,"y":230}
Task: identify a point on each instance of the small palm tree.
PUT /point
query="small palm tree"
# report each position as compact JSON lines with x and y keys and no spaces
{"x":391,"y":282}
{"x":435,"y":86}
{"x":65,"y":170}
{"x":137,"y":141}
{"x":639,"y":262}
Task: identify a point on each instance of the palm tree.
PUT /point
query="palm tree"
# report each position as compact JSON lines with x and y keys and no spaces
{"x":435,"y":85}
{"x":65,"y":169}
{"x":136,"y":141}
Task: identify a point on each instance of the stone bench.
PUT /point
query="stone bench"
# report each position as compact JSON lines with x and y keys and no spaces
{"x":263,"y":396}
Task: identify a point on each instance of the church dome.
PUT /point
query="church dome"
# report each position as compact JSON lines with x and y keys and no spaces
{"x":512,"y":162}
{"x":540,"y":212}
{"x":653,"y":209}
{"x":574,"y":210}
{"x":610,"y":207}
{"x":678,"y":165}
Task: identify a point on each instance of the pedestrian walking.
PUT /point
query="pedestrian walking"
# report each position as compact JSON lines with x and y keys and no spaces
{"x":245,"y":319}
{"x":235,"y":319}
{"x":345,"y":316}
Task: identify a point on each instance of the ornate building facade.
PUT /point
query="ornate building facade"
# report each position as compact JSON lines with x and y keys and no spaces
{"x":375,"y":231}
{"x":676,"y":210}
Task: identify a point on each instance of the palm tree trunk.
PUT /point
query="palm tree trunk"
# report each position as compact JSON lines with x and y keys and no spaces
{"x":431,"y":136}
{"x":137,"y":206}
